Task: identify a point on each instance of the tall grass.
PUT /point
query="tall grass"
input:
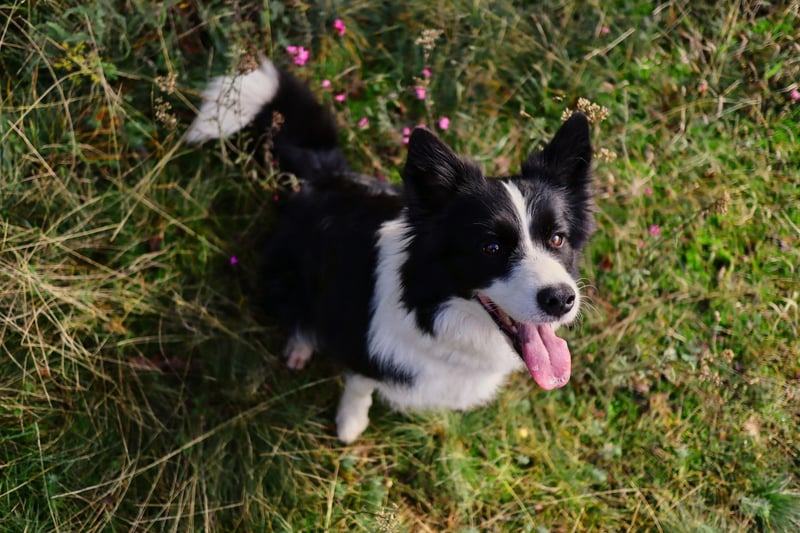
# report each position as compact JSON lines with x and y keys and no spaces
{"x":139,"y":386}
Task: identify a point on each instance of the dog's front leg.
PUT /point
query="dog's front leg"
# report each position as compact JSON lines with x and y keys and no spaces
{"x":353,"y":415}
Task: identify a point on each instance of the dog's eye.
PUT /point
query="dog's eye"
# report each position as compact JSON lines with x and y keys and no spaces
{"x":491,"y":248}
{"x":556,"y":240}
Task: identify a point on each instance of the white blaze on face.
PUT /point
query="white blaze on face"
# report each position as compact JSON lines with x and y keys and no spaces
{"x":546,"y":355}
{"x":534,"y":270}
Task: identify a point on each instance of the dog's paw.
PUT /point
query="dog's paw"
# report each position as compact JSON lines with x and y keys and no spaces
{"x":350,"y":426}
{"x":297,"y":354}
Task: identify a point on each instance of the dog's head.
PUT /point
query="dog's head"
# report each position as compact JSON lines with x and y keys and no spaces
{"x":510,"y":244}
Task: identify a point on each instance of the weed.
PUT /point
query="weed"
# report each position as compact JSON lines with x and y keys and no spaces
{"x":138,"y":385}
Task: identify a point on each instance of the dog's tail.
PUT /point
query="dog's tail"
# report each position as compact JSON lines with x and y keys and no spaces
{"x":270,"y":101}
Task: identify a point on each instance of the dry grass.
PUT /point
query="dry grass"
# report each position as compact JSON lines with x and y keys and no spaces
{"x":138,"y":386}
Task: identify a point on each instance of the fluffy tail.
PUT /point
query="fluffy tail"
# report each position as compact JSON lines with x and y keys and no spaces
{"x":305,"y":138}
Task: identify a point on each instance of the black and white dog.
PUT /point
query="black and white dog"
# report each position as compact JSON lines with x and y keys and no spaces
{"x":431,"y":294}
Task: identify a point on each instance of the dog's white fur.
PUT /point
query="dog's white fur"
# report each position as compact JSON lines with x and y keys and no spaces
{"x":450,"y":370}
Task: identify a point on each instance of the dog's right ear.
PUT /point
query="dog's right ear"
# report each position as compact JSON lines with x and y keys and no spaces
{"x":566,"y":159}
{"x":433,"y":172}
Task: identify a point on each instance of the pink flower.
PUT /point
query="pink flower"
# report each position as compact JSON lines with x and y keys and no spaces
{"x":406,"y":134}
{"x":420,"y":92}
{"x":703,"y":87}
{"x":363,"y":123}
{"x":341,"y":97}
{"x":339,"y":27}
{"x":234,"y":260}
{"x":326,"y":84}
{"x":794,"y":95}
{"x":655,"y":230}
{"x":299,"y":54}
{"x":426,"y":72}
{"x":301,"y":57}
{"x":444,"y":123}
{"x":648,"y":191}
{"x":605,"y":30}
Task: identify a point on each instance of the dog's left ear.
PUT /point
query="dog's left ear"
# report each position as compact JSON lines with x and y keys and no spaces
{"x":567,"y":158}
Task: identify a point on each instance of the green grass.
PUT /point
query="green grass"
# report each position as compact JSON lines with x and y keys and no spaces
{"x":141,"y":390}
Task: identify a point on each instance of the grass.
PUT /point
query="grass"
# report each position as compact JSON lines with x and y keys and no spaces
{"x":141,"y":390}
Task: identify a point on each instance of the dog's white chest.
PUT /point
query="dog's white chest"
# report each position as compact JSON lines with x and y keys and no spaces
{"x":443,"y":386}
{"x":460,"y":367}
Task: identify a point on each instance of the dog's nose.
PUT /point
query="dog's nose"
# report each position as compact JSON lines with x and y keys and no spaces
{"x":556,"y":300}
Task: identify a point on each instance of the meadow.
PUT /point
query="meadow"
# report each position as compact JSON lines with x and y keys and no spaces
{"x":141,"y":389}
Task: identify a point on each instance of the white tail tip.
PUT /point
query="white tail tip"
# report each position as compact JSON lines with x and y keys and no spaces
{"x":230,"y":103}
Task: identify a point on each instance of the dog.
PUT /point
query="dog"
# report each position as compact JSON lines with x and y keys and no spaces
{"x":430,"y":294}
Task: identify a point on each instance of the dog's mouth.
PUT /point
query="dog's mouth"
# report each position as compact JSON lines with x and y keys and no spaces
{"x":545,"y":354}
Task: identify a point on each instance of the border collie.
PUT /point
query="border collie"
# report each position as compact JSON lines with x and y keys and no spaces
{"x":430,"y":294}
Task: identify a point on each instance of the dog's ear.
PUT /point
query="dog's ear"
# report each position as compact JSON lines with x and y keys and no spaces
{"x":433,"y":172}
{"x":567,"y":158}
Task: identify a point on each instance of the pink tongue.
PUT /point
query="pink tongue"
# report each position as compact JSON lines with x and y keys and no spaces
{"x":546,"y":355}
